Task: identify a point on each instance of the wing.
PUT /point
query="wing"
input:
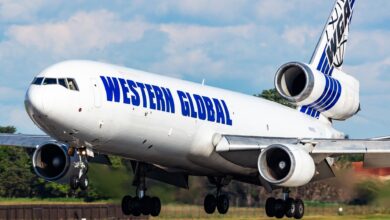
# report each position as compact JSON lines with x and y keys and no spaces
{"x":23,"y":140}
{"x":34,"y":141}
{"x":244,"y":150}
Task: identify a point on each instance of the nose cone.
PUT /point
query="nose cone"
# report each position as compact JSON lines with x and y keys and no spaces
{"x":34,"y":102}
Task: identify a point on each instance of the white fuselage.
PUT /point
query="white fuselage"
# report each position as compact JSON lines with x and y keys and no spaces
{"x":136,"y":129}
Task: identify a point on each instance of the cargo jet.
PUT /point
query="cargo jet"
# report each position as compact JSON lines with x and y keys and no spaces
{"x":171,"y":129}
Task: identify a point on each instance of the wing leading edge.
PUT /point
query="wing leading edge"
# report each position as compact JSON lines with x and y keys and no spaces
{"x":241,"y":149}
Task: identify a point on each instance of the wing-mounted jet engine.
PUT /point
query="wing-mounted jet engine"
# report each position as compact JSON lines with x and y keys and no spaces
{"x":334,"y":95}
{"x":286,"y":165}
{"x":54,"y":161}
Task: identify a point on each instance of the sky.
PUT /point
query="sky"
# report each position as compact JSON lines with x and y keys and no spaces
{"x":232,"y":44}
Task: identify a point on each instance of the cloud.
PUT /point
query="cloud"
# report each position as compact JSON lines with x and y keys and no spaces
{"x":8,"y":93}
{"x":19,"y":10}
{"x":368,"y":45}
{"x":373,"y":76}
{"x":80,"y":34}
{"x":297,"y":36}
{"x":193,"y":62}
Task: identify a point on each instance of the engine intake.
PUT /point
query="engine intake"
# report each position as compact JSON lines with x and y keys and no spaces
{"x":286,"y":165}
{"x":335,"y":95}
{"x":294,"y":81}
{"x":52,"y":162}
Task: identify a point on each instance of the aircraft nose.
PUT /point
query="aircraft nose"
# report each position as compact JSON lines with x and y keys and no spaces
{"x":34,"y":102}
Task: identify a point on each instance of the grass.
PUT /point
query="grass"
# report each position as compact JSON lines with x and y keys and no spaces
{"x":329,"y":211}
{"x":318,"y":211}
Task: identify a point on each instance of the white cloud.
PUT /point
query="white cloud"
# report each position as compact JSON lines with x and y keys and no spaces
{"x":374,"y":77}
{"x":192,"y":62}
{"x":79,"y":34}
{"x":8,"y":93}
{"x":368,"y":45}
{"x":188,"y":36}
{"x":297,"y":36}
{"x":216,"y":9}
{"x":20,"y":9}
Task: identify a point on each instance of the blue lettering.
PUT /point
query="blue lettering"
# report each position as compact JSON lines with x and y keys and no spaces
{"x":228,"y":120}
{"x":200,"y":106}
{"x":112,"y":88}
{"x":125,"y":91}
{"x":142,"y":87}
{"x":193,"y":112}
{"x":209,"y":108}
{"x":151,"y":96}
{"x":219,"y":111}
{"x":135,"y":99}
{"x":170,"y":103}
{"x":159,"y":98}
{"x":185,"y":109}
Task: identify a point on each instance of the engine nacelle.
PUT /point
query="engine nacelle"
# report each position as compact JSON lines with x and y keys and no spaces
{"x":286,"y":165}
{"x":336,"y":95}
{"x":52,"y":162}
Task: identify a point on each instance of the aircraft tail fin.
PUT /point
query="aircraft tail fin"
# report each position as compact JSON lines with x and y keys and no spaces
{"x":329,"y":53}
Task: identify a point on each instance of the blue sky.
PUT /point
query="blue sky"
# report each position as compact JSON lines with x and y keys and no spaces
{"x":233,"y":44}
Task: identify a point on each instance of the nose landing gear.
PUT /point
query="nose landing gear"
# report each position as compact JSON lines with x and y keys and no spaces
{"x":79,"y":180}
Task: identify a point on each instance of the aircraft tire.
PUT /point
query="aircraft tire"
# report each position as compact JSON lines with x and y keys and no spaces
{"x":126,"y":202}
{"x":280,"y":208}
{"x":290,"y":208}
{"x":136,"y":207}
{"x":155,"y":206}
{"x":83,"y":182}
{"x":223,"y":204}
{"x":145,"y":205}
{"x":74,"y":182}
{"x":210,"y":203}
{"x":270,"y":207}
{"x":299,"y":209}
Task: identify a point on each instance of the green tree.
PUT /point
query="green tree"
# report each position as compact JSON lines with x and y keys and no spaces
{"x":273,"y":95}
{"x":7,"y":129}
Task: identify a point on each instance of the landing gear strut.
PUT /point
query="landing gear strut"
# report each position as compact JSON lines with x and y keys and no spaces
{"x":285,"y":207}
{"x":218,"y":200}
{"x":80,"y":179}
{"x":141,"y":204}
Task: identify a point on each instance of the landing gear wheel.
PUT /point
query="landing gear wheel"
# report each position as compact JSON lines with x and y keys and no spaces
{"x":299,"y":209}
{"x":74,"y":182}
{"x":290,"y":208}
{"x":136,"y":208}
{"x":279,"y":208}
{"x":223,"y":204}
{"x":126,"y":202}
{"x":210,"y":203}
{"x":84,"y":182}
{"x":269,"y":207}
{"x":155,"y":206}
{"x":145,"y":205}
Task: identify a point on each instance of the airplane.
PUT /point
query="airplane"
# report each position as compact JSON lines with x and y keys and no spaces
{"x":171,"y":129}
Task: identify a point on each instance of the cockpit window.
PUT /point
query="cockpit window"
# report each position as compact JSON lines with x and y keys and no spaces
{"x":68,"y":83}
{"x":37,"y":81}
{"x":63,"y":83}
{"x":72,"y":84}
{"x":50,"y":81}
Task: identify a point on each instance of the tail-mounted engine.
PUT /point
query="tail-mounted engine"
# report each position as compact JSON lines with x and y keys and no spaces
{"x":286,"y":165}
{"x":52,"y":162}
{"x":335,"y":95}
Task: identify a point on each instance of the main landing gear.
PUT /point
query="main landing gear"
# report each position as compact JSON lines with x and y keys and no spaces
{"x":218,"y":200}
{"x":141,"y":204}
{"x":285,"y":207}
{"x":79,"y":180}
